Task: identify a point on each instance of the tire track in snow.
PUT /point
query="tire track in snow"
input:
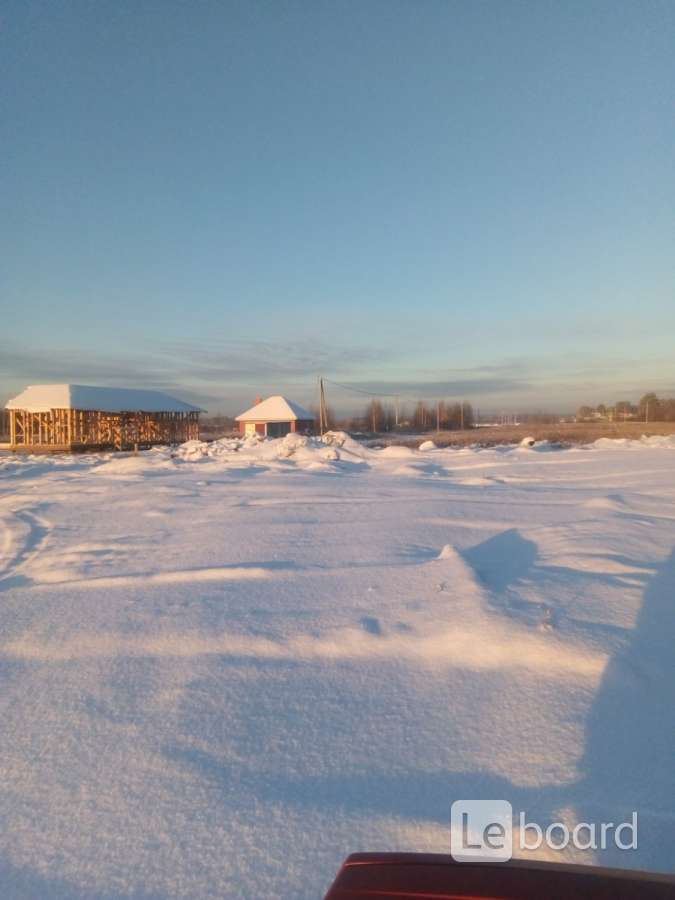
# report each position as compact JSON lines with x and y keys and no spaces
{"x":22,"y":542}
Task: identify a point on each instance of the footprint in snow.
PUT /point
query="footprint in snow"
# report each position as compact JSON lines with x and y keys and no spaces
{"x":371,"y":625}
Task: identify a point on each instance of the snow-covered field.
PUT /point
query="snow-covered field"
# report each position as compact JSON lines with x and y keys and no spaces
{"x":222,"y":671}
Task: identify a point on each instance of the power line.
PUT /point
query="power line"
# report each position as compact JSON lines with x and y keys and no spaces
{"x":348,"y":387}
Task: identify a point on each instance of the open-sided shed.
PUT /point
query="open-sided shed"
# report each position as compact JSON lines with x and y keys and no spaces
{"x":78,"y":416}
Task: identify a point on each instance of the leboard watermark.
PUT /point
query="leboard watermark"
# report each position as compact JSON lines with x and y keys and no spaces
{"x":484,"y":831}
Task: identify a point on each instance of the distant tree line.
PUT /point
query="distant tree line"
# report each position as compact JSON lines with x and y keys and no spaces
{"x":382,"y":417}
{"x":216,"y":426}
{"x":649,"y":409}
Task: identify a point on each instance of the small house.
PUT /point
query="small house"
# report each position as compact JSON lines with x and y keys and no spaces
{"x":78,"y":417}
{"x":275,"y":417}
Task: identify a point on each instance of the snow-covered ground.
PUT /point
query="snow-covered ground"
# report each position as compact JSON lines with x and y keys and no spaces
{"x":223,"y":670}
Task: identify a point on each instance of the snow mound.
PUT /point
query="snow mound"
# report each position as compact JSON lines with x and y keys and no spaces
{"x":287,"y":446}
{"x":255,"y":450}
{"x":662,"y":441}
{"x":192,"y":450}
{"x":611,"y":443}
{"x":654,"y":441}
{"x":427,"y":445}
{"x":527,"y":442}
{"x":343,"y":441}
{"x":395,"y":452}
{"x":337,"y":438}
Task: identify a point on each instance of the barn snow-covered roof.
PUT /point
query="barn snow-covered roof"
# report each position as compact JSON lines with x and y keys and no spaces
{"x":43,"y":397}
{"x":275,"y":409}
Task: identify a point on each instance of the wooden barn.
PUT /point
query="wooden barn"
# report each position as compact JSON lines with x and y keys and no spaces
{"x":46,"y":417}
{"x":275,"y":417}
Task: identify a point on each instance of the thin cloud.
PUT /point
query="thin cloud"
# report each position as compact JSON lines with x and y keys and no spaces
{"x":451,"y":388}
{"x":225,"y":376}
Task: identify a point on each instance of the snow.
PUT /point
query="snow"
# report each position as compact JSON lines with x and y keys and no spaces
{"x":226,"y":666}
{"x":427,"y":445}
{"x":275,"y":409}
{"x":44,"y":397}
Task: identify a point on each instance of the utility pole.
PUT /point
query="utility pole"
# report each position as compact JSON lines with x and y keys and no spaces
{"x":322,"y":408}
{"x":396,"y":408}
{"x":438,"y":416}
{"x":461,"y":415}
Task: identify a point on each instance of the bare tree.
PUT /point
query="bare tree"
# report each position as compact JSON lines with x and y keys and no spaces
{"x":649,"y":408}
{"x":421,"y":417}
{"x":375,"y":416}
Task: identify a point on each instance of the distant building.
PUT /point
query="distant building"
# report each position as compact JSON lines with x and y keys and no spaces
{"x":275,"y":417}
{"x":79,"y":417}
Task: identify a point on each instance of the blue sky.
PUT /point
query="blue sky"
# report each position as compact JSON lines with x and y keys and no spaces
{"x":438,"y":199}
